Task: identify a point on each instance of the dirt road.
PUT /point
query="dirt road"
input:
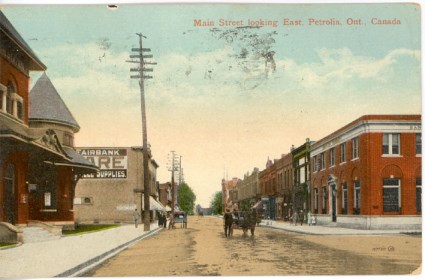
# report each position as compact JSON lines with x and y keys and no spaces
{"x":202,"y":250}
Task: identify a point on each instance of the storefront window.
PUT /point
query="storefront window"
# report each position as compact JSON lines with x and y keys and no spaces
{"x":324,"y":200}
{"x":418,"y":144}
{"x":419,"y":194}
{"x":344,"y":198}
{"x":391,"y":195}
{"x":357,"y":197}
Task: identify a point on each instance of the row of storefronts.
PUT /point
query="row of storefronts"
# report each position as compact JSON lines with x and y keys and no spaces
{"x":366,"y":174}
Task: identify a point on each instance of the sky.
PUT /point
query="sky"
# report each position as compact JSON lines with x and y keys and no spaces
{"x":225,"y":98}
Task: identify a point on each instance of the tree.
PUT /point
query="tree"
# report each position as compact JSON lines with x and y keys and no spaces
{"x":186,"y":198}
{"x":216,"y":204}
{"x":198,"y":209}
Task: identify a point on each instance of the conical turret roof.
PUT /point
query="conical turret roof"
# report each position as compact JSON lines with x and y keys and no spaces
{"x":47,"y":105}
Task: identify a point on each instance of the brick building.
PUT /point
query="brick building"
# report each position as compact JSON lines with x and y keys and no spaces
{"x":38,"y":164}
{"x":268,"y":189}
{"x":368,"y":174}
{"x":165,"y":195}
{"x":230,"y":194}
{"x":284,"y":201}
{"x":301,"y":168}
{"x":248,"y":190}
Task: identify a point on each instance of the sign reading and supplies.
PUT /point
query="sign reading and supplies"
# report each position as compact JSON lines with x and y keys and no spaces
{"x":112,"y":162}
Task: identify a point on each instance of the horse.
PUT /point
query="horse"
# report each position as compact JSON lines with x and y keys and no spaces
{"x":228,"y":221}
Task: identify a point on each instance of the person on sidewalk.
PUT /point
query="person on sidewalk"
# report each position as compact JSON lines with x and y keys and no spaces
{"x":301,"y":217}
{"x":309,"y":218}
{"x":136,"y":218}
{"x":164,"y":219}
{"x":171,"y":222}
{"x":295,"y":218}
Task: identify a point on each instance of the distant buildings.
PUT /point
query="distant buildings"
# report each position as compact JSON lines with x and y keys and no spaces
{"x":230,"y":195}
{"x":248,"y":190}
{"x":365,"y":175}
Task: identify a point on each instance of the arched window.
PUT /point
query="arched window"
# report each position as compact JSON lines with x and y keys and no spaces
{"x":11,"y":102}
{"x":9,"y":98}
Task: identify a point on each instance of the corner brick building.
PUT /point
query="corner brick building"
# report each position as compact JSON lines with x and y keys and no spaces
{"x":368,"y":173}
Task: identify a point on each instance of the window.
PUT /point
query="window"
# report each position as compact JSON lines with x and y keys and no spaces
{"x":342,"y":158}
{"x":302,"y":174}
{"x":315,"y":163}
{"x":9,"y":101}
{"x":323,"y":200}
{"x":47,"y":199}
{"x":391,"y":144}
{"x":419,"y":194}
{"x":316,"y":200}
{"x":19,"y":110}
{"x":344,"y":198}
{"x":391,"y":195}
{"x":418,"y":144}
{"x":68,"y":140}
{"x":332,"y":156}
{"x":355,"y":148}
{"x":1,"y":100}
{"x":322,"y":161}
{"x":357,"y":197}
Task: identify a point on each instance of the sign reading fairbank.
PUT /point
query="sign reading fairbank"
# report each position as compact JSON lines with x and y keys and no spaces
{"x":112,"y":162}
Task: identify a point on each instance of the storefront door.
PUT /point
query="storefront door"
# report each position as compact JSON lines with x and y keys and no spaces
{"x":333,"y":192}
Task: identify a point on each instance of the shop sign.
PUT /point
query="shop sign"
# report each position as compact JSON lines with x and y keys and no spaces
{"x":112,"y":162}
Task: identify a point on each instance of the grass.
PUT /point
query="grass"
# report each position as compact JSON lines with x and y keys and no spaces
{"x":80,"y":229}
{"x":6,"y":244}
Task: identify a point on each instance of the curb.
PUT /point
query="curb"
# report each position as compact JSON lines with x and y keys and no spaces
{"x":92,"y":263}
{"x":342,"y":234}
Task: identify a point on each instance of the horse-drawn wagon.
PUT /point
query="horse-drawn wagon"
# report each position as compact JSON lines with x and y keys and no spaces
{"x":245,"y":220}
{"x":180,"y":217}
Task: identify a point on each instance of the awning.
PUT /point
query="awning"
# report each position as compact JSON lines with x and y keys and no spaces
{"x":153,"y":204}
{"x":258,"y":205}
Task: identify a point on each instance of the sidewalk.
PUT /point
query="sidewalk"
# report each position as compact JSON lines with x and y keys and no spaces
{"x":331,"y":230}
{"x":69,"y":255}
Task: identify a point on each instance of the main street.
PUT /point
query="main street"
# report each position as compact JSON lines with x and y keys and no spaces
{"x":202,"y":250}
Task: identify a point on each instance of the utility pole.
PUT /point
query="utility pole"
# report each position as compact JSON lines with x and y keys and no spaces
{"x":172,"y":168}
{"x":180,"y":171}
{"x":141,"y":76}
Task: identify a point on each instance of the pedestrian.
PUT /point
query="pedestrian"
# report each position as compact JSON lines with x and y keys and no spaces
{"x":309,"y":218}
{"x":136,"y":218}
{"x":301,"y":217}
{"x":295,"y":218}
{"x":171,"y":221}
{"x":164,"y":219}
{"x":159,"y":219}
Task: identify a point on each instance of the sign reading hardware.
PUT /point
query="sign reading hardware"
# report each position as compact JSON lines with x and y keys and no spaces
{"x":112,"y":162}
